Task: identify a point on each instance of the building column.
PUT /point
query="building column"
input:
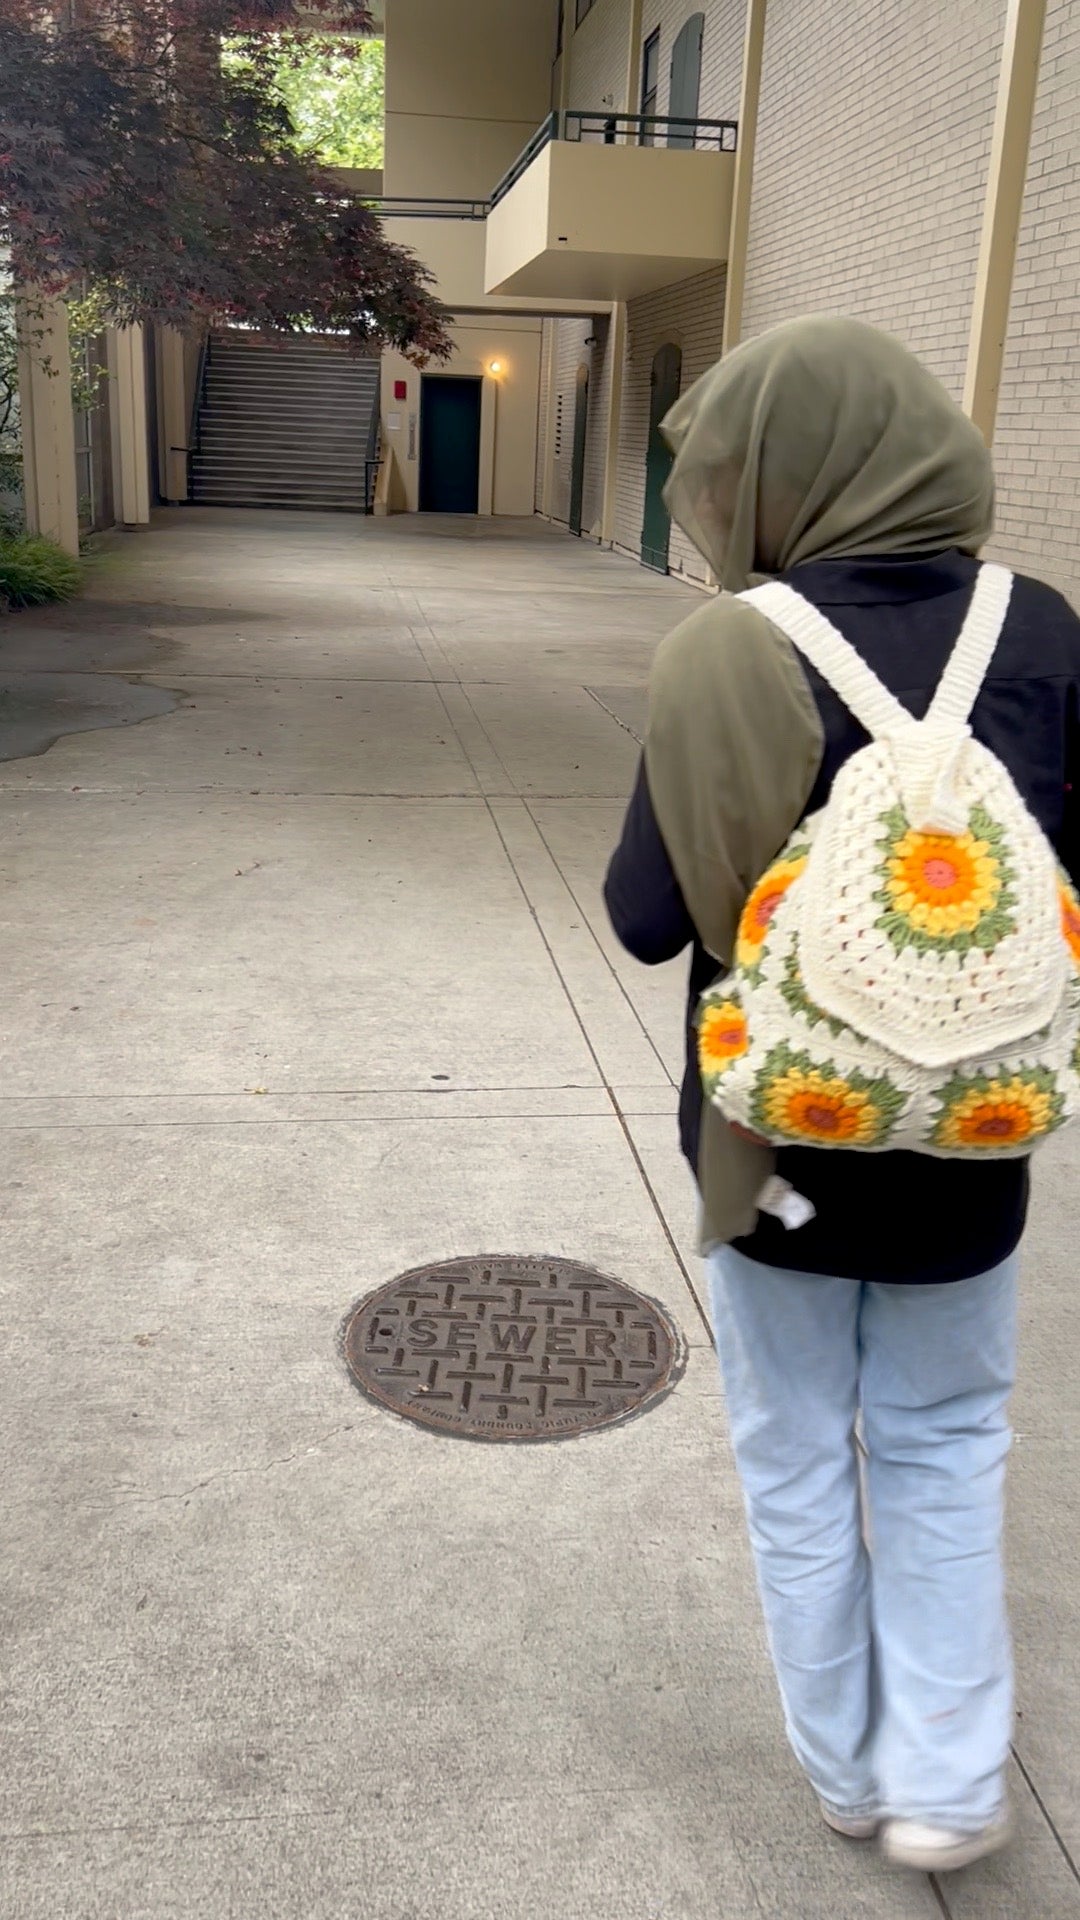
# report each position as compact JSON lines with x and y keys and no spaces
{"x":50,"y":486}
{"x":173,"y":415}
{"x":617,"y":343}
{"x":126,"y":357}
{"x":1017,"y":86}
{"x":631,"y":102}
{"x":750,"y":94}
{"x":551,"y":401}
{"x":485,"y":488}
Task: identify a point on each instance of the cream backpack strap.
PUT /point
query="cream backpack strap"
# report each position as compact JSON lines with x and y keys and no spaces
{"x":835,"y":658}
{"x":969,"y":663}
{"x":847,"y":673}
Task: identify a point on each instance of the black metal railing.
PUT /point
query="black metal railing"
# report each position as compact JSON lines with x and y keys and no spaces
{"x":620,"y":129}
{"x":600,"y":127}
{"x":197,"y":396}
{"x":652,"y":130}
{"x":372,"y":457}
{"x":417,"y":208}
{"x":371,"y":481}
{"x":542,"y":138}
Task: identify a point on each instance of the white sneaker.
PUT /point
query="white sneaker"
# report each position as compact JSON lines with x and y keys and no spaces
{"x":912,"y":1843}
{"x":862,"y":1829}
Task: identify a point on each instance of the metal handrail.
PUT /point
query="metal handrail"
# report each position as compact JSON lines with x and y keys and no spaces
{"x":371,"y":481}
{"x":542,"y":138}
{"x":718,"y":136}
{"x":418,"y":208}
{"x":626,"y":129}
{"x":194,"y":438}
{"x":372,"y":456}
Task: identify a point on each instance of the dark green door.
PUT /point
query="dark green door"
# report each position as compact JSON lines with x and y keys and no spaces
{"x":577,"y":470}
{"x":684,"y":91}
{"x":449,"y":444}
{"x":656,"y":527}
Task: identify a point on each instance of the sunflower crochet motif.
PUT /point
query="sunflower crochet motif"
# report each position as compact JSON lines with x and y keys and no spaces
{"x":906,"y":973}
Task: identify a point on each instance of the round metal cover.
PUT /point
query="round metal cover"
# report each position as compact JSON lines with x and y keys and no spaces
{"x":511,"y":1347}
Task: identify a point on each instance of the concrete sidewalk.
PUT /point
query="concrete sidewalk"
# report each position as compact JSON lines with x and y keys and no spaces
{"x":307,"y":981}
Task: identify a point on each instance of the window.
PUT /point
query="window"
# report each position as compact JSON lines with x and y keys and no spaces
{"x":583,"y":7}
{"x":650,"y":83}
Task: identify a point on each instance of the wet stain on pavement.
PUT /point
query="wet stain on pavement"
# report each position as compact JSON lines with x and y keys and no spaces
{"x":38,"y":709}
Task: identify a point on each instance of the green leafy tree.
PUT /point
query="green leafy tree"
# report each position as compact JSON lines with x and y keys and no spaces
{"x":336,"y":100}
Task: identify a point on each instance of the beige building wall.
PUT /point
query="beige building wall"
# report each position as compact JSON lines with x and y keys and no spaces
{"x":1037,"y":442}
{"x":511,"y":412}
{"x":466,"y":87}
{"x":871,"y":167}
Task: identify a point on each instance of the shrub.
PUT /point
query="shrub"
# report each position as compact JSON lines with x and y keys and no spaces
{"x":34,"y":570}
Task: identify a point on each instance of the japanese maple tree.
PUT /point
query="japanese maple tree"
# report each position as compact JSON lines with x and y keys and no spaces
{"x":133,"y":159}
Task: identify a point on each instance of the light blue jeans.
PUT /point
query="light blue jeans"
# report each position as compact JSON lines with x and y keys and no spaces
{"x":893,"y":1659}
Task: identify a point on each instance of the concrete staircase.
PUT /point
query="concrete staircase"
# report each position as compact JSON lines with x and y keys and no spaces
{"x":285,"y":423}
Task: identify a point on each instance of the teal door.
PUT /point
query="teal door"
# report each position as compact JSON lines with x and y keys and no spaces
{"x":577,"y":469}
{"x":684,"y":91}
{"x":449,"y":443}
{"x":656,"y":526}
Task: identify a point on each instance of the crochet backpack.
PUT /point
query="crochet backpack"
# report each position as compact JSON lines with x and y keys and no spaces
{"x":907,"y":972}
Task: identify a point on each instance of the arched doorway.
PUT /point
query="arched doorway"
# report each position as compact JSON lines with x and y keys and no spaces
{"x":684,"y":91}
{"x":577,"y":467}
{"x":656,"y":525}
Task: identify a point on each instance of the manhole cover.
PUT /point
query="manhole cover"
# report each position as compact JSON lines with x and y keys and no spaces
{"x":511,"y":1347}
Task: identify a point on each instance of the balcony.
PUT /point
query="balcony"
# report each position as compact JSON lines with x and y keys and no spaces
{"x":449,"y":237}
{"x":596,"y":209}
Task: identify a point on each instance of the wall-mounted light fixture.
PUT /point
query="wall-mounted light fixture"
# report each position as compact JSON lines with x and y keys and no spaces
{"x":495,"y":367}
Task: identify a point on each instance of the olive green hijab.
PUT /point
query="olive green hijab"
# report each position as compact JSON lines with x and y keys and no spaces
{"x":822,"y":438}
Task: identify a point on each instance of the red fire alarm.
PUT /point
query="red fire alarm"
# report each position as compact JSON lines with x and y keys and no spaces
{"x":401,"y":389}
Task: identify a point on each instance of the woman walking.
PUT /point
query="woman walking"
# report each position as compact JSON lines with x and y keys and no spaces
{"x":877,"y":1287}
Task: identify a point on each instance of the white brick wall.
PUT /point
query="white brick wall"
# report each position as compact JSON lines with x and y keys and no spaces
{"x":1037,"y":444}
{"x":870,"y":173}
{"x":721,"y":51}
{"x":599,"y":52}
{"x":692,"y":316}
{"x":721,"y":59}
{"x":870,"y":182}
{"x":570,"y":350}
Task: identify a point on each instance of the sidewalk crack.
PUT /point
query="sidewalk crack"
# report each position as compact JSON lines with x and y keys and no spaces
{"x":222,"y":1473}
